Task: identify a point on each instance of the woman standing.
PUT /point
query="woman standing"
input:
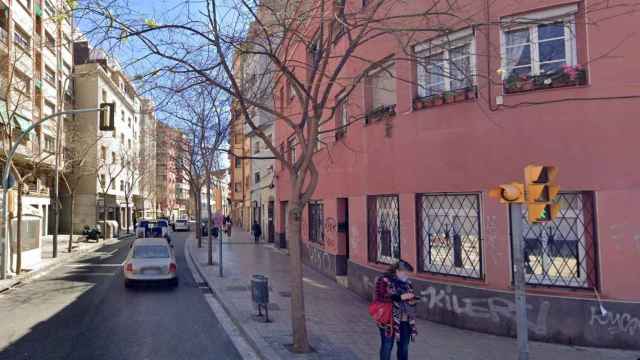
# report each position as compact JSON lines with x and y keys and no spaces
{"x":395,"y":287}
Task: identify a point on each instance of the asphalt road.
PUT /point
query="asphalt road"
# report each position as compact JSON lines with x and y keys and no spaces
{"x":82,"y":311}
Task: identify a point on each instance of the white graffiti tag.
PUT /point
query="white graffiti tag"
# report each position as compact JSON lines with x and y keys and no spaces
{"x":616,"y":323}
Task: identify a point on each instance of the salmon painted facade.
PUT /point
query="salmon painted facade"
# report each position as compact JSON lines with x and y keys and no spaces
{"x":548,"y":82}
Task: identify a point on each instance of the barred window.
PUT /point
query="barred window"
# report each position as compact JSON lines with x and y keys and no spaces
{"x":563,"y":252}
{"x":316,"y":222}
{"x":449,"y":234}
{"x":383,"y":228}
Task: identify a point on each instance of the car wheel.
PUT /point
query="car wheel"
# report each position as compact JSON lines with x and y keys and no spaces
{"x":173,"y":282}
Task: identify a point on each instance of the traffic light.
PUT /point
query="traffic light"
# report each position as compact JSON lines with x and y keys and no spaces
{"x":541,"y":191}
{"x":107,"y":116}
{"x":509,"y":193}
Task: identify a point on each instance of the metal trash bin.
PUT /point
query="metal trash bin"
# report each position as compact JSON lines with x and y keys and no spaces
{"x":260,"y":294}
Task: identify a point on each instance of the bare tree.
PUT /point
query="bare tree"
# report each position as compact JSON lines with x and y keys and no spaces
{"x":310,"y":50}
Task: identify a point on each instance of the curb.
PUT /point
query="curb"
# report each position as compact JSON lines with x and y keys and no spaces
{"x":41,"y":271}
{"x":259,"y":348}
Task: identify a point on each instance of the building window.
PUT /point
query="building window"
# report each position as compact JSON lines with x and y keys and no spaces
{"x":342,"y":118}
{"x":114,"y":157}
{"x":256,"y":147}
{"x":563,"y":252}
{"x":21,"y":39}
{"x":129,"y":143}
{"x":103,"y":153}
{"x":445,"y":64}
{"x":104,"y":96}
{"x":122,"y":139}
{"x":121,"y":185}
{"x":449,"y":234}
{"x":237,"y":139}
{"x":49,"y":144}
{"x":102,"y":180}
{"x":50,"y":75}
{"x":129,"y":122}
{"x":316,"y":222}
{"x":383,"y":228}
{"x":539,"y":44}
{"x":256,"y":177}
{"x":238,"y":187}
{"x":49,"y":8}
{"x":22,"y":84}
{"x":66,"y":42}
{"x":238,"y":163}
{"x":382,"y":87}
{"x":50,"y":41}
{"x":292,"y":150}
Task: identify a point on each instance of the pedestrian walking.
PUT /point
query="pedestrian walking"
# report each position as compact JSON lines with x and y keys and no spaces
{"x":257,"y":231}
{"x":394,"y":309}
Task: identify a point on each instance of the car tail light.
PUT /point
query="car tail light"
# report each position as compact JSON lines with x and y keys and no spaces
{"x":172,"y":268}
{"x":129,"y":267}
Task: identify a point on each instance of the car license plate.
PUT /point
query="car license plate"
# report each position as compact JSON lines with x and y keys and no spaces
{"x":150,"y":271}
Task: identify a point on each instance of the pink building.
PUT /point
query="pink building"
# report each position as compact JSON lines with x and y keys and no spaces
{"x":552,"y":82}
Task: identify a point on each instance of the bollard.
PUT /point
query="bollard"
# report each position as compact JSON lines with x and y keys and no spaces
{"x":260,"y":294}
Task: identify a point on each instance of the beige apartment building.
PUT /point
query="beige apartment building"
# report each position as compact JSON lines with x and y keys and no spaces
{"x":36,"y":57}
{"x":146,"y":202}
{"x":172,"y":181}
{"x":111,"y":175}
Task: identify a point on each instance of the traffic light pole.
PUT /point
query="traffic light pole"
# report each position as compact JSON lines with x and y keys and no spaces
{"x":522,"y":328}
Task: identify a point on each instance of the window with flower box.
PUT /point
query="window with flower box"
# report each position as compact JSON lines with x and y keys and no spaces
{"x":445,"y":69}
{"x":381,"y":92}
{"x":539,"y":51}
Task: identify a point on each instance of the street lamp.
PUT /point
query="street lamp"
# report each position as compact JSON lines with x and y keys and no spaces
{"x":106,"y":124}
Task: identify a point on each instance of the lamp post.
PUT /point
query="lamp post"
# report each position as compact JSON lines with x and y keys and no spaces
{"x":4,"y":241}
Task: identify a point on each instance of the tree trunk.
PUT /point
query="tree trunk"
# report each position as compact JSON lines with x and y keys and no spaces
{"x":104,"y":217}
{"x":19,"y":232}
{"x":209,"y":220}
{"x":73,"y":206}
{"x":126,"y":212}
{"x":298,"y":317}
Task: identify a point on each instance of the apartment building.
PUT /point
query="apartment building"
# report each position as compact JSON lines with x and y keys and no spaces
{"x":146,"y":202}
{"x":240,"y":172}
{"x":172,"y":181}
{"x":219,"y":194}
{"x":36,"y":57}
{"x":113,"y":169}
{"x":548,"y":82}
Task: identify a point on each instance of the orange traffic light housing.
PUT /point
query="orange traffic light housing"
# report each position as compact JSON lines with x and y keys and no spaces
{"x":509,"y":193}
{"x":541,"y":191}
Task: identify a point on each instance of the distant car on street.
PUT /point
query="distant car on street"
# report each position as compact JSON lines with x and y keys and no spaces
{"x":181,"y":225}
{"x":150,"y":260}
{"x":152,"y":228}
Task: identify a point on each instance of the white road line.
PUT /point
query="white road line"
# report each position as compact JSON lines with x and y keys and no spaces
{"x":92,"y":265}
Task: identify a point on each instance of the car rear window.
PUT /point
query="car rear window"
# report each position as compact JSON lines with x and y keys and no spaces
{"x":150,"y":252}
{"x":163,"y":223}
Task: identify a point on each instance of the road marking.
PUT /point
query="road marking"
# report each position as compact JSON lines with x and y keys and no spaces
{"x":91,"y":265}
{"x":94,"y":274}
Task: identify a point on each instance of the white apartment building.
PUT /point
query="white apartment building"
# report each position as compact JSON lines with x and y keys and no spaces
{"x":146,"y":203}
{"x":36,"y":57}
{"x":115,"y":157}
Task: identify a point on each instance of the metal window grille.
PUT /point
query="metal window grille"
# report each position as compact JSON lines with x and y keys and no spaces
{"x":316,"y":222}
{"x":563,"y":252}
{"x":384,"y":228}
{"x":449,"y":234}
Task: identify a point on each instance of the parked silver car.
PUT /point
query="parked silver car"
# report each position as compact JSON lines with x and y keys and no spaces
{"x":150,"y":260}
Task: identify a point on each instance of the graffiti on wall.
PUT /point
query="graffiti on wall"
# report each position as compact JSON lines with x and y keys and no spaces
{"x":320,"y":259}
{"x":616,"y":323}
{"x":493,"y":308}
{"x":330,"y":227}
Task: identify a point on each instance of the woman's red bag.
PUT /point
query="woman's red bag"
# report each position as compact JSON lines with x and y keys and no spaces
{"x":381,"y":312}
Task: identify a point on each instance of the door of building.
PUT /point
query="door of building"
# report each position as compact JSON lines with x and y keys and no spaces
{"x":343,"y":234}
{"x":270,"y":224}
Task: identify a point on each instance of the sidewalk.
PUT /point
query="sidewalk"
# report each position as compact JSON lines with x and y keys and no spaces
{"x":337,"y":320}
{"x":79,"y":248}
